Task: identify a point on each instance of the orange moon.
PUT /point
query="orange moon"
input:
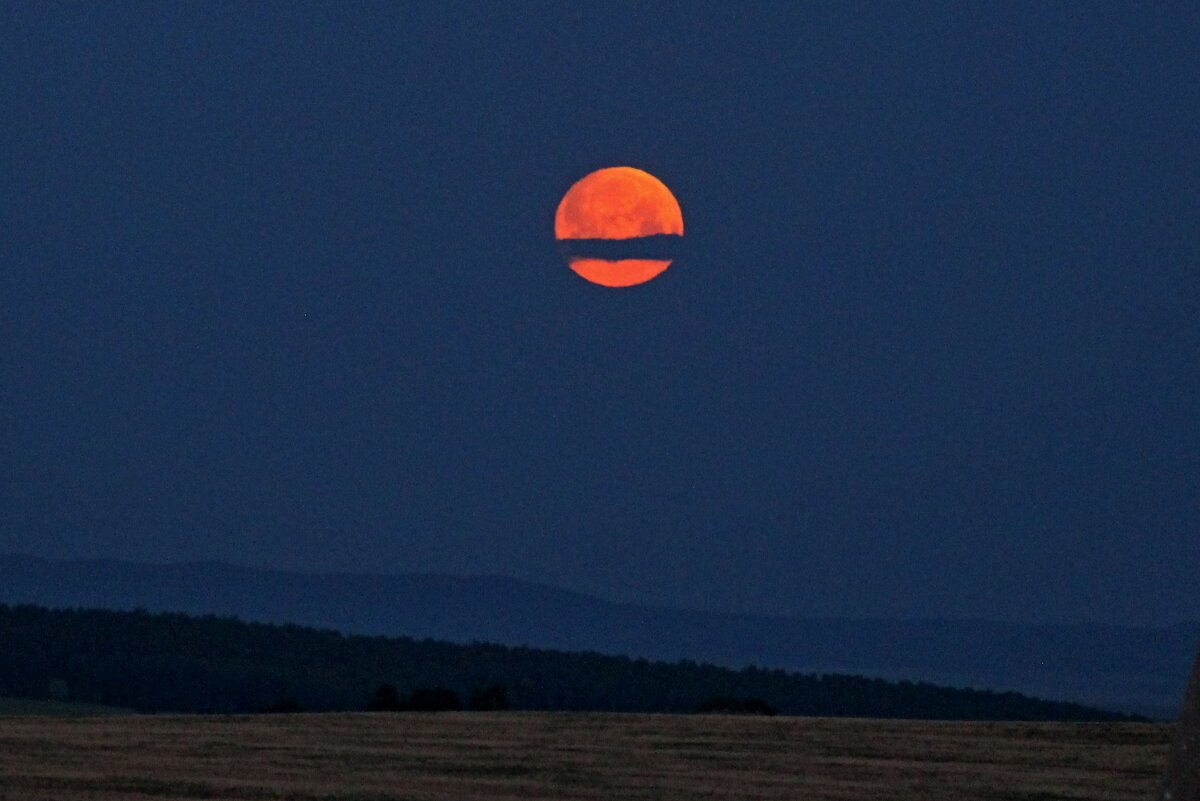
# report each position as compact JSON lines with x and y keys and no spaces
{"x":622,"y":204}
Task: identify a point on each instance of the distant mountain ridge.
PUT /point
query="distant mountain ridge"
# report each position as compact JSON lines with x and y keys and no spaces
{"x":1140,"y":670}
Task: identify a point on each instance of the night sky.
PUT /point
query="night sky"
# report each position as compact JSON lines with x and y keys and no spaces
{"x":278,"y":286}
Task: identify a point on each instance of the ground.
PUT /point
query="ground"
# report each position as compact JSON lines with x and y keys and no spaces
{"x":531,"y":756}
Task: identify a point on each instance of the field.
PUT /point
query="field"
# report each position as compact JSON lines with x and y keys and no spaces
{"x":530,"y":756}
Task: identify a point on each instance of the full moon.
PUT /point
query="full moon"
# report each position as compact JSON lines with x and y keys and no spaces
{"x":621,"y":204}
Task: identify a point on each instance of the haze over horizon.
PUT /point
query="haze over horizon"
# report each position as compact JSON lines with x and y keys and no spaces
{"x":279,"y":288}
{"x":567,"y":591}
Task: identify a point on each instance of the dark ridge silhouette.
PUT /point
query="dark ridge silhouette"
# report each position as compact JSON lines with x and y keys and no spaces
{"x":1182,"y":779}
{"x":385,"y":699}
{"x":659,"y":246}
{"x":283,"y":706}
{"x":726,"y":705}
{"x":492,"y":698}
{"x":1140,"y":670}
{"x":433,"y":699}
{"x":175,"y":663}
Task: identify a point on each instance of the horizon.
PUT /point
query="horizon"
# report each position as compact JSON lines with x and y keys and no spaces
{"x":1180,"y":623}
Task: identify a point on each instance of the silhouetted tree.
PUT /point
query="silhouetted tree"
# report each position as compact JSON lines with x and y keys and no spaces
{"x":434,"y":699}
{"x":176,"y":663}
{"x":490,"y":699}
{"x":385,"y":699}
{"x":728,"y":705}
{"x":283,"y":706}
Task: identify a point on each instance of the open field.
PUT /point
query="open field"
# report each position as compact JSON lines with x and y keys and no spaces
{"x":529,"y":756}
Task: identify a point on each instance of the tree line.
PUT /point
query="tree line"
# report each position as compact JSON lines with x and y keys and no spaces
{"x":177,"y":663}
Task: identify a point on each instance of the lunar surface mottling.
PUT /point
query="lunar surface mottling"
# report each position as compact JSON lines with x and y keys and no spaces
{"x":618,"y":203}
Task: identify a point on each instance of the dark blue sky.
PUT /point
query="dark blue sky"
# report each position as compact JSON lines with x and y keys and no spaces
{"x":278,"y":286}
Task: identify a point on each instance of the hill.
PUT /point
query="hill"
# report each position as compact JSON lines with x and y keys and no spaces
{"x":171,"y":662}
{"x":1140,"y":670}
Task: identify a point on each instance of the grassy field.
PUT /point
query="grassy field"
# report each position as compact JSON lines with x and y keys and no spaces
{"x":529,"y":756}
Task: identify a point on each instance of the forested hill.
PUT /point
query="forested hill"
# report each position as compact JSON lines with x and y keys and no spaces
{"x":177,"y":663}
{"x":1139,"y":670}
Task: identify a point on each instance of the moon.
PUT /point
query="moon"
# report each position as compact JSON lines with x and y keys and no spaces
{"x":621,"y":204}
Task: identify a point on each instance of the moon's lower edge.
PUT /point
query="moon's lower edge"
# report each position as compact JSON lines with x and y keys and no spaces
{"x":618,"y":272}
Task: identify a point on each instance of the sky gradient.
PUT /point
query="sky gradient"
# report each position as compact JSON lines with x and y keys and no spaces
{"x":279,"y":286}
